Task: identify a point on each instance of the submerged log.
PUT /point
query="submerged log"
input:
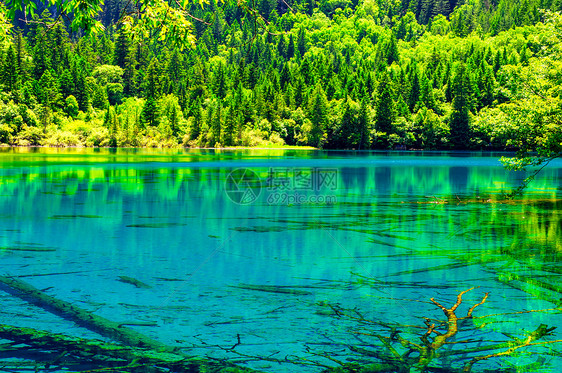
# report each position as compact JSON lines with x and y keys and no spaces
{"x":133,"y":281}
{"x":28,"y":248}
{"x":99,"y":351}
{"x":82,"y":317}
{"x":138,"y":346}
{"x":55,"y":341}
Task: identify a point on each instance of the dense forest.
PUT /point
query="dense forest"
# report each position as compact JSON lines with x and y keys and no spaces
{"x":339,"y":74}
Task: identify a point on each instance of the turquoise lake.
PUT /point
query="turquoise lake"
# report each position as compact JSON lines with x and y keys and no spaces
{"x":293,"y":256}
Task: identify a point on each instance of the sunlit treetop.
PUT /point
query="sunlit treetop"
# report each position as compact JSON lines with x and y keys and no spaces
{"x":163,"y":20}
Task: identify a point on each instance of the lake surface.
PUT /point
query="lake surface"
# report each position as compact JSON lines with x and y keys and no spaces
{"x":295,"y":255}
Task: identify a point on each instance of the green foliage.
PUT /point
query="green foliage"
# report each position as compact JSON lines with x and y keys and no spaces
{"x":105,"y":74}
{"x":338,"y":74}
{"x":71,"y":106}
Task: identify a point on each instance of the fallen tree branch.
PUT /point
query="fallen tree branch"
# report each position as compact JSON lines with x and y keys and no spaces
{"x":108,"y":356}
{"x":82,"y":317}
{"x":138,"y":346}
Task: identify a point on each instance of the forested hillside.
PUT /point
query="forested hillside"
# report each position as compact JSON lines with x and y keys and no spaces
{"x":346,"y":74}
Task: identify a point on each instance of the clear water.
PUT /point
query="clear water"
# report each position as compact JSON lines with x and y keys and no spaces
{"x":380,"y":233}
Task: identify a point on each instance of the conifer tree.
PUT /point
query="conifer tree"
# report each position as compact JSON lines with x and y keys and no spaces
{"x":230,"y":126}
{"x":301,"y":42}
{"x":130,"y":86}
{"x":282,"y":46}
{"x":415,"y":89}
{"x":291,"y":47}
{"x":49,"y":94}
{"x":285,"y":77}
{"x":173,"y":117}
{"x":10,"y":71}
{"x":81,"y":92}
{"x":41,"y":53}
{"x":385,"y":108}
{"x":363,"y":124}
{"x":220,"y":81}
{"x":346,"y":127}
{"x":20,"y":49}
{"x":182,"y":96}
{"x":60,"y":41}
{"x":460,"y":119}
{"x":318,"y":115}
{"x":392,"y":51}
{"x":195,"y":129}
{"x":66,"y":83}
{"x":122,"y":48}
{"x":150,"y":114}
{"x":216,"y":123}
{"x":426,"y":93}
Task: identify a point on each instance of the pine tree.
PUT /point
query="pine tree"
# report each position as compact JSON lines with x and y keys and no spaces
{"x":426,"y":9}
{"x":218,"y":26}
{"x":150,"y":114}
{"x":182,"y":96}
{"x":460,"y":119}
{"x":282,"y":46}
{"x":195,"y":129}
{"x":122,"y":48}
{"x":305,"y":71}
{"x":363,"y":124}
{"x":385,"y":109}
{"x":66,"y":83}
{"x":291,"y":47}
{"x":10,"y":71}
{"x":230,"y":126}
{"x":81,"y":92}
{"x":318,"y":115}
{"x":20,"y":49}
{"x":415,"y":89}
{"x":60,"y":41}
{"x":220,"y":81}
{"x":392,"y":51}
{"x":175,"y":71}
{"x":41,"y":53}
{"x":298,"y":91}
{"x":285,"y":77}
{"x":344,"y":136}
{"x":426,"y":93}
{"x":153,"y":80}
{"x":414,"y":7}
{"x":173,"y":117}
{"x":49,"y":94}
{"x":216,"y":123}
{"x":130,"y":74}
{"x":301,"y":42}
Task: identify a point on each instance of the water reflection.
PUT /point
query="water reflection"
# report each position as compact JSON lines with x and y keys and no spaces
{"x":404,"y":227}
